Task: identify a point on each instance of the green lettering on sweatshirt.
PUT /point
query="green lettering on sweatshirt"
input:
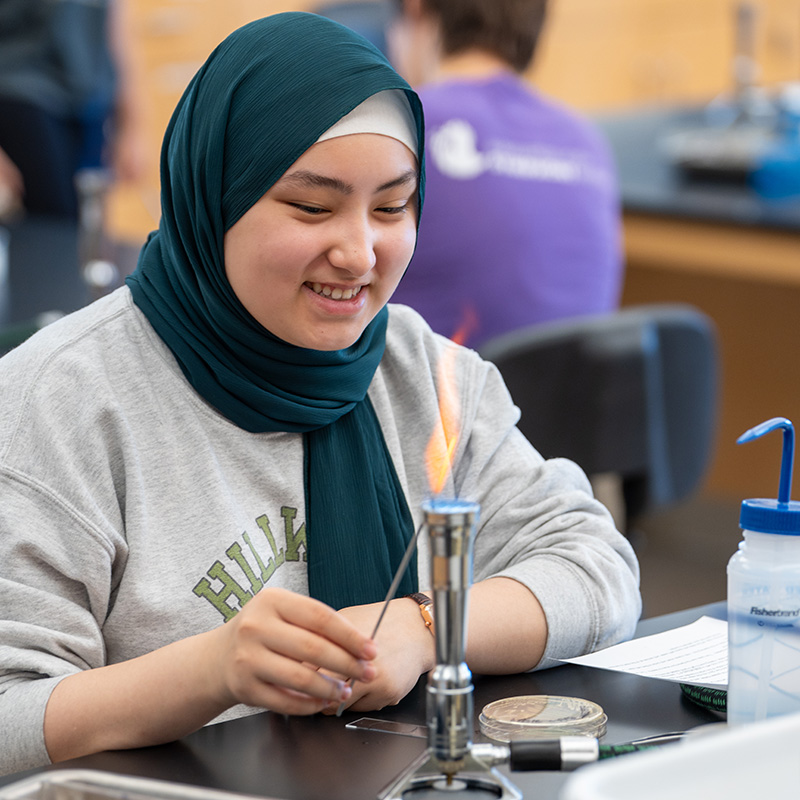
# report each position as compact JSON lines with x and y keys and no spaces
{"x":277,"y":554}
{"x":266,"y":572}
{"x":234,"y":552}
{"x":232,"y":595}
{"x":294,"y":540}
{"x":229,"y":587}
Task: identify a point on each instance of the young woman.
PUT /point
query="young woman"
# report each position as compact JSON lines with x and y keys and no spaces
{"x":210,"y":476}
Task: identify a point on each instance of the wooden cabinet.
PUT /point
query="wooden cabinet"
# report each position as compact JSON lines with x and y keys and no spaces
{"x":748,"y":281}
{"x":610,"y":54}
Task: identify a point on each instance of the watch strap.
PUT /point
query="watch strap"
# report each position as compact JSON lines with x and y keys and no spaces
{"x":425,"y":608}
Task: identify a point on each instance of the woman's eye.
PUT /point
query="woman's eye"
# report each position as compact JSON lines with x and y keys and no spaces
{"x":313,"y":211}
{"x":393,"y":209}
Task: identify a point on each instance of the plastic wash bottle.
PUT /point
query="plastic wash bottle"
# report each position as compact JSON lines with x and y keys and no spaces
{"x":764,"y":599}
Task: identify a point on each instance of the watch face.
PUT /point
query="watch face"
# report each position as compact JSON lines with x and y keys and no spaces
{"x":427,"y":614}
{"x":425,"y":608}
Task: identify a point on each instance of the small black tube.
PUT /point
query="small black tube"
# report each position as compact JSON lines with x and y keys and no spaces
{"x":527,"y":756}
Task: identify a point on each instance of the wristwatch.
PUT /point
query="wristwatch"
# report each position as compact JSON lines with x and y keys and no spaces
{"x":425,"y":608}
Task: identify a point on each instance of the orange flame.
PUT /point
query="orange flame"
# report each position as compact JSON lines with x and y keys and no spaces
{"x":444,"y":439}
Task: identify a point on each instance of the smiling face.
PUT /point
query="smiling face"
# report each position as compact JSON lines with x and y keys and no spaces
{"x":319,"y":255}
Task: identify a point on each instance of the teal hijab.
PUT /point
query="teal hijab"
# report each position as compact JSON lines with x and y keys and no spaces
{"x":262,"y":98}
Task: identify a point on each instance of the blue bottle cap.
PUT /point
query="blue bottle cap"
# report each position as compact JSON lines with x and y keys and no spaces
{"x":773,"y":516}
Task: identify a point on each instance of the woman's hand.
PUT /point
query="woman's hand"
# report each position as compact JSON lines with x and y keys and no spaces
{"x":406,"y":649}
{"x":278,"y":652}
{"x":292,"y":654}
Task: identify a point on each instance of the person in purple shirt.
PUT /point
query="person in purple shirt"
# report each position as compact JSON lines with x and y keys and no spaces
{"x":522,"y":215}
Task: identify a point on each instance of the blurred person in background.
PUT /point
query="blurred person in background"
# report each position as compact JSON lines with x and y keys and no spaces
{"x":522,"y":222}
{"x":67,"y":102}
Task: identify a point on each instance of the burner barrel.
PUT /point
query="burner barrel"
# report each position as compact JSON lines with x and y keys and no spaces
{"x":451,"y":527}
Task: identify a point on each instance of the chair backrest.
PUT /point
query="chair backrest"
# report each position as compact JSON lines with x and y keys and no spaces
{"x":43,"y":269}
{"x":632,"y":392}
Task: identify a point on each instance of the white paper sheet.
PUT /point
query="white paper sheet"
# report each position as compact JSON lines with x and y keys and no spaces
{"x":695,"y":654}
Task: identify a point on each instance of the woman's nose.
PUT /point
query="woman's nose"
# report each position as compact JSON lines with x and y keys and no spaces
{"x":354,"y":247}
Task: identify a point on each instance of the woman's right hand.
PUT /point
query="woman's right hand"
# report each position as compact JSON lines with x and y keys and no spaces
{"x":273,"y":654}
{"x":276,"y":651}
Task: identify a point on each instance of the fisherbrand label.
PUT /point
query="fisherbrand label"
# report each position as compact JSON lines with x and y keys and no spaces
{"x":774,"y":612}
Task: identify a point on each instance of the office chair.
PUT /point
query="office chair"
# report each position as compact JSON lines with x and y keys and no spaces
{"x":40,"y":277}
{"x":43,"y":269}
{"x":631,"y":393}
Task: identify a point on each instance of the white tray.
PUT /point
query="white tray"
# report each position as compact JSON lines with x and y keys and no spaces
{"x":760,"y":760}
{"x":85,"y":784}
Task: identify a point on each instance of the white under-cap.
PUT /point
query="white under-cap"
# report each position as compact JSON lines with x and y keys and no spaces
{"x":387,"y":113}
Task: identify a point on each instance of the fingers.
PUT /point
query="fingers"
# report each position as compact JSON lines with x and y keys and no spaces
{"x":265,"y":671}
{"x":407,"y":650}
{"x":321,"y":623}
{"x":283,"y":649}
{"x":285,"y":695}
{"x":311,"y":632}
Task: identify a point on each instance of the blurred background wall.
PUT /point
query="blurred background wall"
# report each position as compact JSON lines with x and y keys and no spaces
{"x":597,"y":55}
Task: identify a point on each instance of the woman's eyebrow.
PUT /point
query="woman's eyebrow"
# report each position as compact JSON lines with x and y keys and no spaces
{"x":305,"y":178}
{"x":410,"y":176}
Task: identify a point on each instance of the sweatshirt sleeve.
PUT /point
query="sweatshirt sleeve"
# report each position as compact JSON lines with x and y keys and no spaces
{"x":55,"y":585}
{"x":539,"y":523}
{"x":541,"y":526}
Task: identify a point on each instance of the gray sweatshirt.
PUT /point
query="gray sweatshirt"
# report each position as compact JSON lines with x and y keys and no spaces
{"x":134,"y":514}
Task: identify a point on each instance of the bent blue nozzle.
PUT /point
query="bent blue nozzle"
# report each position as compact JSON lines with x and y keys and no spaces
{"x":787,"y":460}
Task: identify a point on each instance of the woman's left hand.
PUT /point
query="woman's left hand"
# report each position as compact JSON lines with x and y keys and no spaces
{"x":406,"y":649}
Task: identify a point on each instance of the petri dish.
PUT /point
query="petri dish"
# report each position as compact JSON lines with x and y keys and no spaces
{"x":541,"y":716}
